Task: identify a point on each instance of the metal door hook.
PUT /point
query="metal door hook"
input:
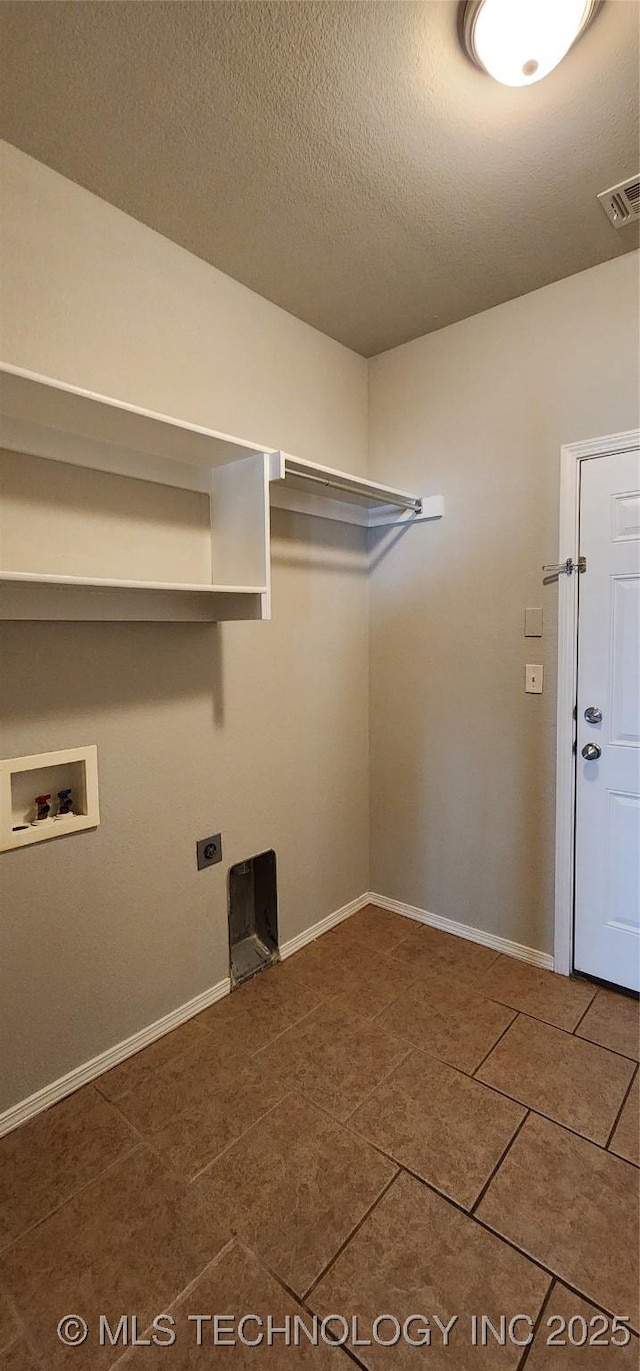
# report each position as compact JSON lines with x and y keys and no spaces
{"x":564,"y":568}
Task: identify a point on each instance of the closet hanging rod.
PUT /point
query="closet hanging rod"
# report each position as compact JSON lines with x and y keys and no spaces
{"x":364,"y":492}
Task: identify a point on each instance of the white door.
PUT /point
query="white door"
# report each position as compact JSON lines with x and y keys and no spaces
{"x":607,"y":888}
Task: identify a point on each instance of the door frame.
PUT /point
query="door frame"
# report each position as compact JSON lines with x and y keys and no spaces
{"x":571,"y":455}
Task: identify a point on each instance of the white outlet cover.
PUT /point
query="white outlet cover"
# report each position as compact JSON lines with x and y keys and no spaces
{"x":533,"y":679}
{"x":533,"y":623}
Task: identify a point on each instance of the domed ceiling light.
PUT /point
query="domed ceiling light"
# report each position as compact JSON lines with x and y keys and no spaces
{"x":520,"y":41}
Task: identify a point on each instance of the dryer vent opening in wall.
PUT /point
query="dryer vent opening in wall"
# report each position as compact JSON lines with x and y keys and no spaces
{"x":253,"y":916}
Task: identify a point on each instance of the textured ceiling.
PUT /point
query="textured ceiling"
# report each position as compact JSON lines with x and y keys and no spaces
{"x":344,"y":160}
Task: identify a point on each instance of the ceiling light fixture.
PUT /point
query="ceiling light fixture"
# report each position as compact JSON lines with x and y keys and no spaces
{"x":520,"y":41}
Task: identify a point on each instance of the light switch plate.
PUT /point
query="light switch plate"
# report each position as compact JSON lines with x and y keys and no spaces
{"x":533,"y":623}
{"x":533,"y":679}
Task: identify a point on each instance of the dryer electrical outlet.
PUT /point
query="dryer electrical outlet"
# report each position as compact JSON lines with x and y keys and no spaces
{"x":209,"y":851}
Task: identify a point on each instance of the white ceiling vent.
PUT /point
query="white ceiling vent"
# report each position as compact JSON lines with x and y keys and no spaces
{"x":621,"y":203}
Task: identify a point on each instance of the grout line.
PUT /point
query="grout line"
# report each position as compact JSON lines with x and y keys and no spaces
{"x":410,"y":937}
{"x":470,"y":1076}
{"x":498,"y":1164}
{"x":415,"y":1175}
{"x":21,"y":1328}
{"x":598,"y":983}
{"x":288,"y":1289}
{"x":297,"y":1023}
{"x":442,"y":1194}
{"x":537,"y":1326}
{"x":176,"y":1299}
{"x":375,"y":1147}
{"x":573,"y":1033}
{"x":404,"y":1166}
{"x":508,"y":1242}
{"x":449,"y":975}
{"x":95,"y":1083}
{"x":344,"y":1347}
{"x":68,"y":1199}
{"x":554,"y":1277}
{"x":496,"y":943}
{"x":209,"y":1032}
{"x":115,"y":1104}
{"x":584,"y":1014}
{"x":411,"y":1047}
{"x":352,"y":1234}
{"x":400,"y":1062}
{"x":619,"y":1114}
{"x":271,"y":1271}
{"x":359,"y":1020}
{"x":193,"y":1048}
{"x":613,"y":1050}
{"x":197,"y":1175}
{"x":581,"y":1294}
{"x":388,"y":1004}
{"x":603,"y":1147}
{"x":149,"y":1143}
{"x":510,"y":1024}
{"x":322,"y":1109}
{"x":491,"y":965}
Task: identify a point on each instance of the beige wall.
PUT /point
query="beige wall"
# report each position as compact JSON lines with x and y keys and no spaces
{"x":262,"y":730}
{"x":259,"y":730}
{"x":462,"y":761}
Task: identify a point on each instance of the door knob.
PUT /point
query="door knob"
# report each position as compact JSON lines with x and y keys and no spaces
{"x":591,"y":752}
{"x":593,"y":715}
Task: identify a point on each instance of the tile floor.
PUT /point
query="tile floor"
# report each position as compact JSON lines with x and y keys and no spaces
{"x":393,"y":1122}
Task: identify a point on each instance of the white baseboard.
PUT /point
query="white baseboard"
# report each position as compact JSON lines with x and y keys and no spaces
{"x":474,"y":935}
{"x":323,"y":926}
{"x":87,"y":1071}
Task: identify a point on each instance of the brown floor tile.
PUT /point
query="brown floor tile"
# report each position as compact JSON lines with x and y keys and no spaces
{"x":129,"y":1243}
{"x":17,"y":1358}
{"x":8,"y":1324}
{"x":236,"y":1284}
{"x":448,"y":1020}
{"x":349,"y":971}
{"x":376,"y":930}
{"x":613,"y":1021}
{"x":370,"y":986}
{"x":574,"y":1208}
{"x":417,"y":1254}
{"x":312,"y":968}
{"x":334,"y":1057}
{"x":54,"y":1155}
{"x":429,"y":949}
{"x":132,"y":1072}
{"x":440,"y":1124}
{"x":563,"y":1306}
{"x":626,"y":1139}
{"x":340,"y":1022}
{"x":574,"y":1082}
{"x":558,"y":1000}
{"x":308,"y":972}
{"x":295,"y":1186}
{"x":192,"y":1108}
{"x":260,"y":1010}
